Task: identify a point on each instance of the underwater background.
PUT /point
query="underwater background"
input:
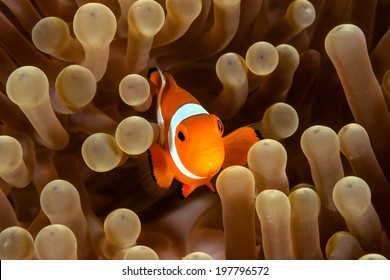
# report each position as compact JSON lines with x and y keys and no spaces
{"x":77,"y":115}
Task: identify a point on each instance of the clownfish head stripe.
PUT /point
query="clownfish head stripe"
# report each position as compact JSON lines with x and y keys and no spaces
{"x":184,"y":112}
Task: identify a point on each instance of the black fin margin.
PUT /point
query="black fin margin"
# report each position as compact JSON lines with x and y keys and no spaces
{"x":180,"y":192}
{"x":154,"y":69}
{"x":150,"y":71}
{"x":148,"y":178}
{"x":254,"y":126}
{"x":258,"y":134}
{"x":151,"y":166}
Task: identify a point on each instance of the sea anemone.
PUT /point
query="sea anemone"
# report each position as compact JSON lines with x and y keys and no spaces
{"x":78,"y":116}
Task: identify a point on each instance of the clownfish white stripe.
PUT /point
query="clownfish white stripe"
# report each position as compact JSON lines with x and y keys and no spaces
{"x":160,"y":119}
{"x":184,"y":112}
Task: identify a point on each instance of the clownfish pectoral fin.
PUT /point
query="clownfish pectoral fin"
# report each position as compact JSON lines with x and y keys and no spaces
{"x":185,"y":190}
{"x":160,"y":174}
{"x":237,"y":145}
{"x":211,"y":187}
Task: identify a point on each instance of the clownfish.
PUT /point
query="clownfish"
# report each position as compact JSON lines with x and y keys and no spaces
{"x":191,"y":147}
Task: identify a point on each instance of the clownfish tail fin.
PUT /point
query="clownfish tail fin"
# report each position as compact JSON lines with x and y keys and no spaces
{"x":255,"y":126}
{"x":237,"y":145}
{"x":155,"y":174}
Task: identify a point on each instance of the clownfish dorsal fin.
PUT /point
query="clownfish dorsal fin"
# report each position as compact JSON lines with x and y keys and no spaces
{"x":237,"y":145}
{"x":157,"y":77}
{"x":158,"y":178}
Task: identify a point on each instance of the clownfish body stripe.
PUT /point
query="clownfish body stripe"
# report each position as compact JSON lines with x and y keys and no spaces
{"x":184,"y":112}
{"x":160,"y":119}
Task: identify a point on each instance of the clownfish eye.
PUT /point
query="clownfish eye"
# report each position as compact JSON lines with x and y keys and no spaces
{"x":220,"y":125}
{"x":181,"y":136}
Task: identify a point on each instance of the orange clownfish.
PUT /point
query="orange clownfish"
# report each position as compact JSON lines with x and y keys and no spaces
{"x":191,"y":148}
